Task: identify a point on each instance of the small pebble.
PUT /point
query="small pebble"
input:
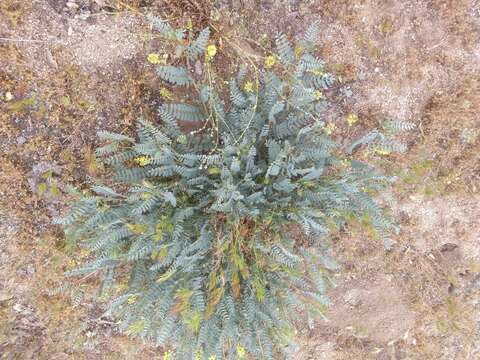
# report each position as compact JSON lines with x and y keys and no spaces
{"x":21,"y":140}
{"x":8,"y":96}
{"x":72,"y":5}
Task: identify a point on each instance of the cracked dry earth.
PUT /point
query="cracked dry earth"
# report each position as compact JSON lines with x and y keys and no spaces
{"x":410,"y":60}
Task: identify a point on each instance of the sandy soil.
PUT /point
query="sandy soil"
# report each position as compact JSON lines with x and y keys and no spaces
{"x":67,"y":71}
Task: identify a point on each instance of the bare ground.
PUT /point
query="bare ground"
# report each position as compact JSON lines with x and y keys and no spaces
{"x":66,"y":73}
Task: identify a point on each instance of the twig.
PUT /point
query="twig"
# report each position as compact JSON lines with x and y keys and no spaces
{"x":436,"y":45}
{"x":28,"y":40}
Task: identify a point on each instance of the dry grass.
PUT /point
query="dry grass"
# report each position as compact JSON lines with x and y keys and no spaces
{"x":447,"y":152}
{"x":14,"y":11}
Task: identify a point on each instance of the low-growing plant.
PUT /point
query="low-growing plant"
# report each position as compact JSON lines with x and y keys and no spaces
{"x":206,"y":207}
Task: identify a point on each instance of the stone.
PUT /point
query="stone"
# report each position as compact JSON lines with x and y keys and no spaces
{"x":72,"y":5}
{"x":352,"y":298}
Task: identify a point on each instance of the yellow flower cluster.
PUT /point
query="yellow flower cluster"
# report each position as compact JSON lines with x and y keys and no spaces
{"x":146,"y":195}
{"x":142,"y":160}
{"x":248,"y":86}
{"x":168,"y":355}
{"x":211,"y":52}
{"x":298,"y":51}
{"x":329,"y":128}
{"x":132,"y":299}
{"x":241,"y":352}
{"x":318,"y":95}
{"x":154,"y":59}
{"x":270,"y":61}
{"x":381,"y":151}
{"x":352,"y":119}
{"x":166,"y":94}
{"x":317,"y":72}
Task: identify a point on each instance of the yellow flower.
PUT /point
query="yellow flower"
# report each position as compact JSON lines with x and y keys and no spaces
{"x":352,"y":119}
{"x":166,"y":94}
{"x":381,"y":151}
{"x":308,"y":184}
{"x":329,"y":128}
{"x":146,"y":196}
{"x":168,"y":355}
{"x":132,"y":299}
{"x":142,"y":160}
{"x":317,"y":72}
{"x":198,"y":354}
{"x":248,"y":87}
{"x":270,"y":61}
{"x":345,"y":163}
{"x":298,"y":51}
{"x":211,"y":52}
{"x":241,"y":351}
{"x":85,"y":252}
{"x":154,"y":59}
{"x":214,"y":170}
{"x":318,"y":95}
{"x":137,"y":228}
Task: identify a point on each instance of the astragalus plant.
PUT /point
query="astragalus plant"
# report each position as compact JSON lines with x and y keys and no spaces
{"x":206,"y":206}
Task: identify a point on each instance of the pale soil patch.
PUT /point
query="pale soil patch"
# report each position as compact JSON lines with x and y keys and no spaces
{"x":450,"y":219}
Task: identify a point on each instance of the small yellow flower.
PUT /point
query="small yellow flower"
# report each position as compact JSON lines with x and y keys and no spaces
{"x":241,"y":352}
{"x":211,"y":52}
{"x":308,"y":184}
{"x":146,"y":196}
{"x":352,"y":119}
{"x":214,"y":170}
{"x":345,"y":163}
{"x":132,"y":299}
{"x":298,"y":51}
{"x":122,"y":286}
{"x":318,"y":95}
{"x":198,"y":354}
{"x":142,"y":160}
{"x":154,"y":59}
{"x":318,"y":72}
{"x":329,"y":128}
{"x":168,"y":355}
{"x":85,"y":252}
{"x":166,"y":94}
{"x":270,"y":61}
{"x":137,"y":228}
{"x":248,"y":87}
{"x":381,"y":151}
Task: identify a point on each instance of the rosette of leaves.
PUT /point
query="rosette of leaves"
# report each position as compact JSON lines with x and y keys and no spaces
{"x":203,"y":223}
